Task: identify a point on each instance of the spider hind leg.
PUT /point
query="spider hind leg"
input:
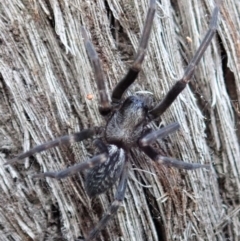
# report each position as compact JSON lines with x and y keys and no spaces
{"x":112,"y":210}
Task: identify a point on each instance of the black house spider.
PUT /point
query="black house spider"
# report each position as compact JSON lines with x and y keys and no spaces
{"x":126,"y":125}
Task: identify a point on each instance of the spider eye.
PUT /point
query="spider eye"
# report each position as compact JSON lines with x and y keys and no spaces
{"x":133,"y":101}
{"x":145,"y":107}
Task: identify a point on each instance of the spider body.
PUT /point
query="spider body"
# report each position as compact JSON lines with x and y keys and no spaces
{"x":126,"y":125}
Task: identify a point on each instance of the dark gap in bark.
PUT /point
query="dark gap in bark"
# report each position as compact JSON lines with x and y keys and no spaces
{"x":123,"y":43}
{"x":231,"y":87}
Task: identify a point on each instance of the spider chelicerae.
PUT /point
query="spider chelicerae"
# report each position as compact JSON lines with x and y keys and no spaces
{"x":126,"y":125}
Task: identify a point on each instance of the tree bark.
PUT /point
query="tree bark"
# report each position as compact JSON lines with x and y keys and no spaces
{"x":48,"y":90}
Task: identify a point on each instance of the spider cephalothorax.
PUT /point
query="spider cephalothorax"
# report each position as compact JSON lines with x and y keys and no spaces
{"x":126,"y":125}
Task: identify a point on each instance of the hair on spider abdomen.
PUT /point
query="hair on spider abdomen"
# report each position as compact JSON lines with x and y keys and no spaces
{"x":100,"y":178}
{"x":126,"y":125}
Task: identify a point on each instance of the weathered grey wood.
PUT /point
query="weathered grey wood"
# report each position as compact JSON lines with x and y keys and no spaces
{"x":45,"y":80}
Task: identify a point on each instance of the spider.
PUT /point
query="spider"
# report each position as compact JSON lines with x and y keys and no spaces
{"x":126,"y":126}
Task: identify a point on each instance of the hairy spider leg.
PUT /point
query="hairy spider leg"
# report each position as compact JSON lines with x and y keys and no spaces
{"x":96,"y":160}
{"x":132,"y":73}
{"x":102,"y":147}
{"x":181,"y":84}
{"x":151,"y":137}
{"x":63,"y":140}
{"x":171,"y":162}
{"x":118,"y":199}
{"x":104,"y":102}
{"x":147,"y":139}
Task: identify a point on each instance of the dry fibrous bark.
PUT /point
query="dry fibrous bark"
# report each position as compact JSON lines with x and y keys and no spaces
{"x":48,"y":90}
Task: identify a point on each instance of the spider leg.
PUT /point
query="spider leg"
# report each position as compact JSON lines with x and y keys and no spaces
{"x":151,"y":137}
{"x":100,"y":145}
{"x":171,"y":162}
{"x":96,"y":160}
{"x":132,"y":74}
{"x":104,"y":105}
{"x":68,"y":139}
{"x":118,"y":199}
{"x":181,"y":84}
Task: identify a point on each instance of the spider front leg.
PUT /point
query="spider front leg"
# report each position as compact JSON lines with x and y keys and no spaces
{"x":181,"y":84}
{"x":104,"y":105}
{"x":112,"y":210}
{"x":132,"y":74}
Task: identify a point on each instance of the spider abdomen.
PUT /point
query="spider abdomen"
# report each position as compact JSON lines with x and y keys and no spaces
{"x":102,"y":177}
